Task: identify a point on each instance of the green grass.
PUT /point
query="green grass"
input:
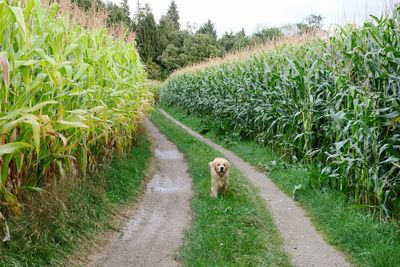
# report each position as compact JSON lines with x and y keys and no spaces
{"x":367,"y":240}
{"x":74,"y":212}
{"x":233,"y":230}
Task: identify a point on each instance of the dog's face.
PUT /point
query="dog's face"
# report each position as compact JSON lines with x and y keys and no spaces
{"x":220,"y":166}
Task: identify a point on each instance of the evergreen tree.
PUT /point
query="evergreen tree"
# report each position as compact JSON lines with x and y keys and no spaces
{"x":173,"y":15}
{"x":116,"y":15}
{"x":146,"y":34}
{"x":169,"y":41}
{"x":127,"y":13}
{"x":166,"y":33}
{"x":242,"y":41}
{"x":227,"y":41}
{"x":139,"y":12}
{"x":208,"y":28}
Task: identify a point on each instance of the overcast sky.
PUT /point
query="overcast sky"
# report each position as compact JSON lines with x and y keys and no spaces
{"x":232,"y":15}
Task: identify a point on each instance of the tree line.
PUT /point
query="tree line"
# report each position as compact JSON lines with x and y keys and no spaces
{"x":165,"y":46}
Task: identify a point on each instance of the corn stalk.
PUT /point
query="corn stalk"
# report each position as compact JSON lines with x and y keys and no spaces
{"x":68,"y":97}
{"x":334,"y":103}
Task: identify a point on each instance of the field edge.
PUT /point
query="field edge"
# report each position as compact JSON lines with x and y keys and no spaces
{"x":342,"y":224}
{"x":84,"y":212}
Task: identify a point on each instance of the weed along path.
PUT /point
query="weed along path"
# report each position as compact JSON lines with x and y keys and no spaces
{"x":303,"y":243}
{"x":155,"y":231}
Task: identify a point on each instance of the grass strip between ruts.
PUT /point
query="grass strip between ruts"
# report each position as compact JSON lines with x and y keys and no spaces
{"x":233,"y":230}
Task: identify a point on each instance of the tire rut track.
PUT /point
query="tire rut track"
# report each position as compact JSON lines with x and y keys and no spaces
{"x":305,"y":246}
{"x":156,"y":229}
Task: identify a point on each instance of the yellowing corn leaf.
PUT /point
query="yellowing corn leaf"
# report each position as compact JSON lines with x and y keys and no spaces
{"x":11,"y":200}
{"x":73,"y":124}
{"x":13,"y":147}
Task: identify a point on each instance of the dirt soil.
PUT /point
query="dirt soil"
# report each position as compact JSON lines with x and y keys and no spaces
{"x":305,"y":246}
{"x":155,"y":230}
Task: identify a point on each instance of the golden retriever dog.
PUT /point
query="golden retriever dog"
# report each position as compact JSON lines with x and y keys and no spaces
{"x":219,"y":175}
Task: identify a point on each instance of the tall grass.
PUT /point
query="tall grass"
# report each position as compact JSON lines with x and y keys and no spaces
{"x":332,"y":103}
{"x":69,"y":98}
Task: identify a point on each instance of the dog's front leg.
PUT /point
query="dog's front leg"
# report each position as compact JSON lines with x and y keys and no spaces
{"x":225,"y":187}
{"x":214,"y":190}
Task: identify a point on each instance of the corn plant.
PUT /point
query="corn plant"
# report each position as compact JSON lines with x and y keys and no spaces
{"x":69,"y":98}
{"x":154,"y":87}
{"x":333,"y":103}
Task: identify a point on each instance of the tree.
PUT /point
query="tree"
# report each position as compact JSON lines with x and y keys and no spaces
{"x":242,"y":41}
{"x":227,"y":41}
{"x":208,"y":28}
{"x":314,"y":21}
{"x":171,"y":58}
{"x":234,"y":42}
{"x":146,"y":34}
{"x":311,"y":24}
{"x":116,"y":15}
{"x":167,"y":33}
{"x":127,"y":13}
{"x":199,"y":47}
{"x":267,"y":34}
{"x":86,"y":4}
{"x":169,"y":41}
{"x":153,"y":70}
{"x":139,"y":12}
{"x":173,"y":15}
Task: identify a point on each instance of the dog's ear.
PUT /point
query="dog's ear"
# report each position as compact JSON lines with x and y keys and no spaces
{"x":228,"y":166}
{"x":211,"y":164}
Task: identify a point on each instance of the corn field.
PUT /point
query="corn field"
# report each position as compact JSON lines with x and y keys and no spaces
{"x":69,"y":98}
{"x":332,"y":103}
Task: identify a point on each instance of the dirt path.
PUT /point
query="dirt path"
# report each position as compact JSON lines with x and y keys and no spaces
{"x":155,"y":231}
{"x":304,"y":244}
